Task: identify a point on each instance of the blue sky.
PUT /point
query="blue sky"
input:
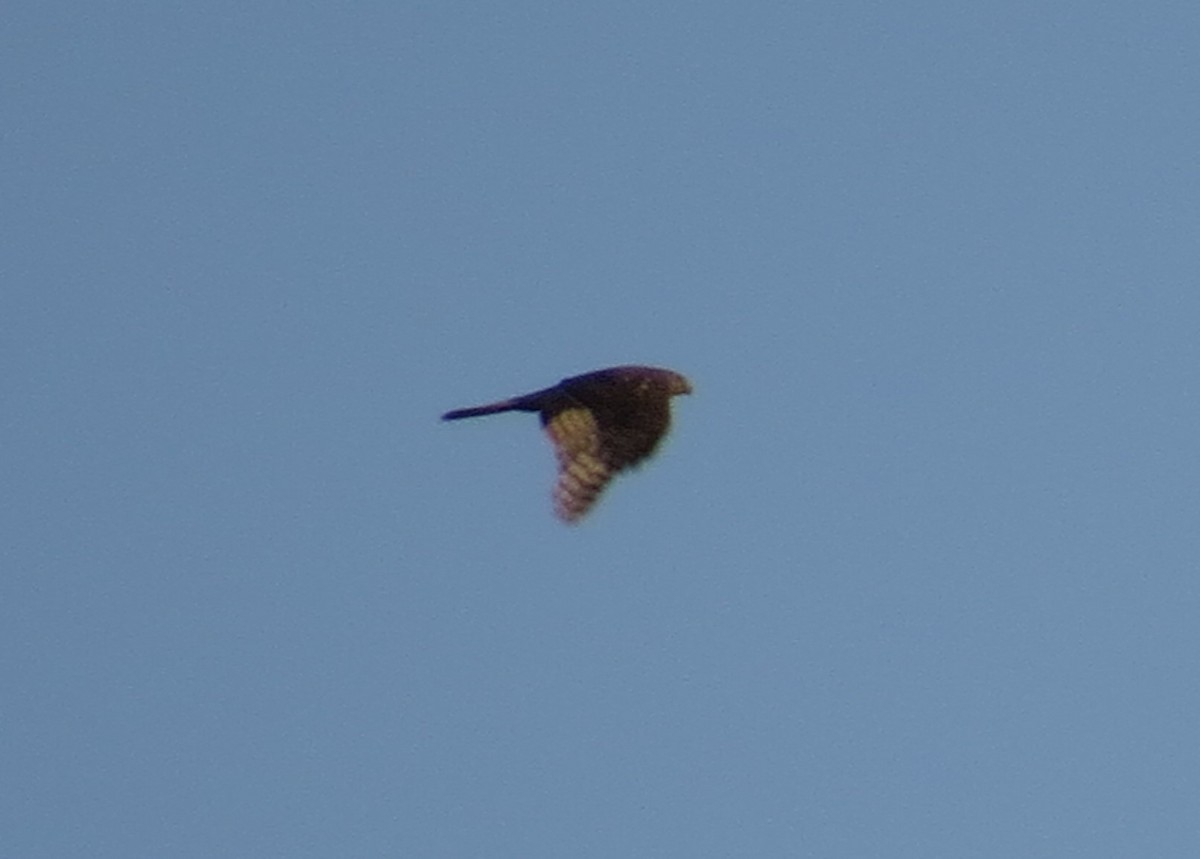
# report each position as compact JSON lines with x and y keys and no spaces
{"x":914,"y":576}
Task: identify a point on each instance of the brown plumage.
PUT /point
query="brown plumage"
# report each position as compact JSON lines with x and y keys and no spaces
{"x":601,"y":423}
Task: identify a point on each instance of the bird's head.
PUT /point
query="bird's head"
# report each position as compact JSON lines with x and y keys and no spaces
{"x":678,"y":384}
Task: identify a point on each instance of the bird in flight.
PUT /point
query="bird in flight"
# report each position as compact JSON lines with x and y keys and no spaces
{"x":600,"y":423}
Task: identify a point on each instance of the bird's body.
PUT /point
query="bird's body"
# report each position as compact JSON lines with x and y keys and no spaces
{"x":600,"y":423}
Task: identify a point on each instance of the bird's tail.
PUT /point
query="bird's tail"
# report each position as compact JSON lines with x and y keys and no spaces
{"x":513,"y":405}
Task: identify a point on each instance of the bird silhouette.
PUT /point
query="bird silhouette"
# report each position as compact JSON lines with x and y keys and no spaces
{"x":600,"y":423}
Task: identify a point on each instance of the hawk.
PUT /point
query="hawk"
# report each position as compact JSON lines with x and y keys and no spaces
{"x":600,"y":423}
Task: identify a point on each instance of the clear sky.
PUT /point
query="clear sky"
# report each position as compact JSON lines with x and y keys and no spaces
{"x":914,"y":576}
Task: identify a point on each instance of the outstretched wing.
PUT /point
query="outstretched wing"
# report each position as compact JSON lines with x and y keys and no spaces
{"x":583,"y":469}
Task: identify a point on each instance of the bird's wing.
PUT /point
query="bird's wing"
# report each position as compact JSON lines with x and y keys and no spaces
{"x":583,"y":469}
